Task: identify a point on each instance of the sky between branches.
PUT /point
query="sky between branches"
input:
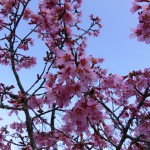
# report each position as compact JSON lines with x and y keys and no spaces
{"x":121,"y":53}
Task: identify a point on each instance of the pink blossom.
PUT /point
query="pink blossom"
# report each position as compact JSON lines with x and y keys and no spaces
{"x":24,"y":47}
{"x":72,"y":102}
{"x":135,"y":7}
{"x":27,"y":14}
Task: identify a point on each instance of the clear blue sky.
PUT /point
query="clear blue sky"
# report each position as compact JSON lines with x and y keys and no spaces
{"x":121,"y":53}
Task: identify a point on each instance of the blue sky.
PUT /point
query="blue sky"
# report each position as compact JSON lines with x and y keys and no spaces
{"x":121,"y":53}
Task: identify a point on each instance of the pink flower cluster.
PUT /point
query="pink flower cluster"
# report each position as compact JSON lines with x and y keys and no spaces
{"x":72,"y":102}
{"x":4,"y":57}
{"x":76,"y":77}
{"x":7,"y":6}
{"x":142,"y":32}
{"x":26,"y":62}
